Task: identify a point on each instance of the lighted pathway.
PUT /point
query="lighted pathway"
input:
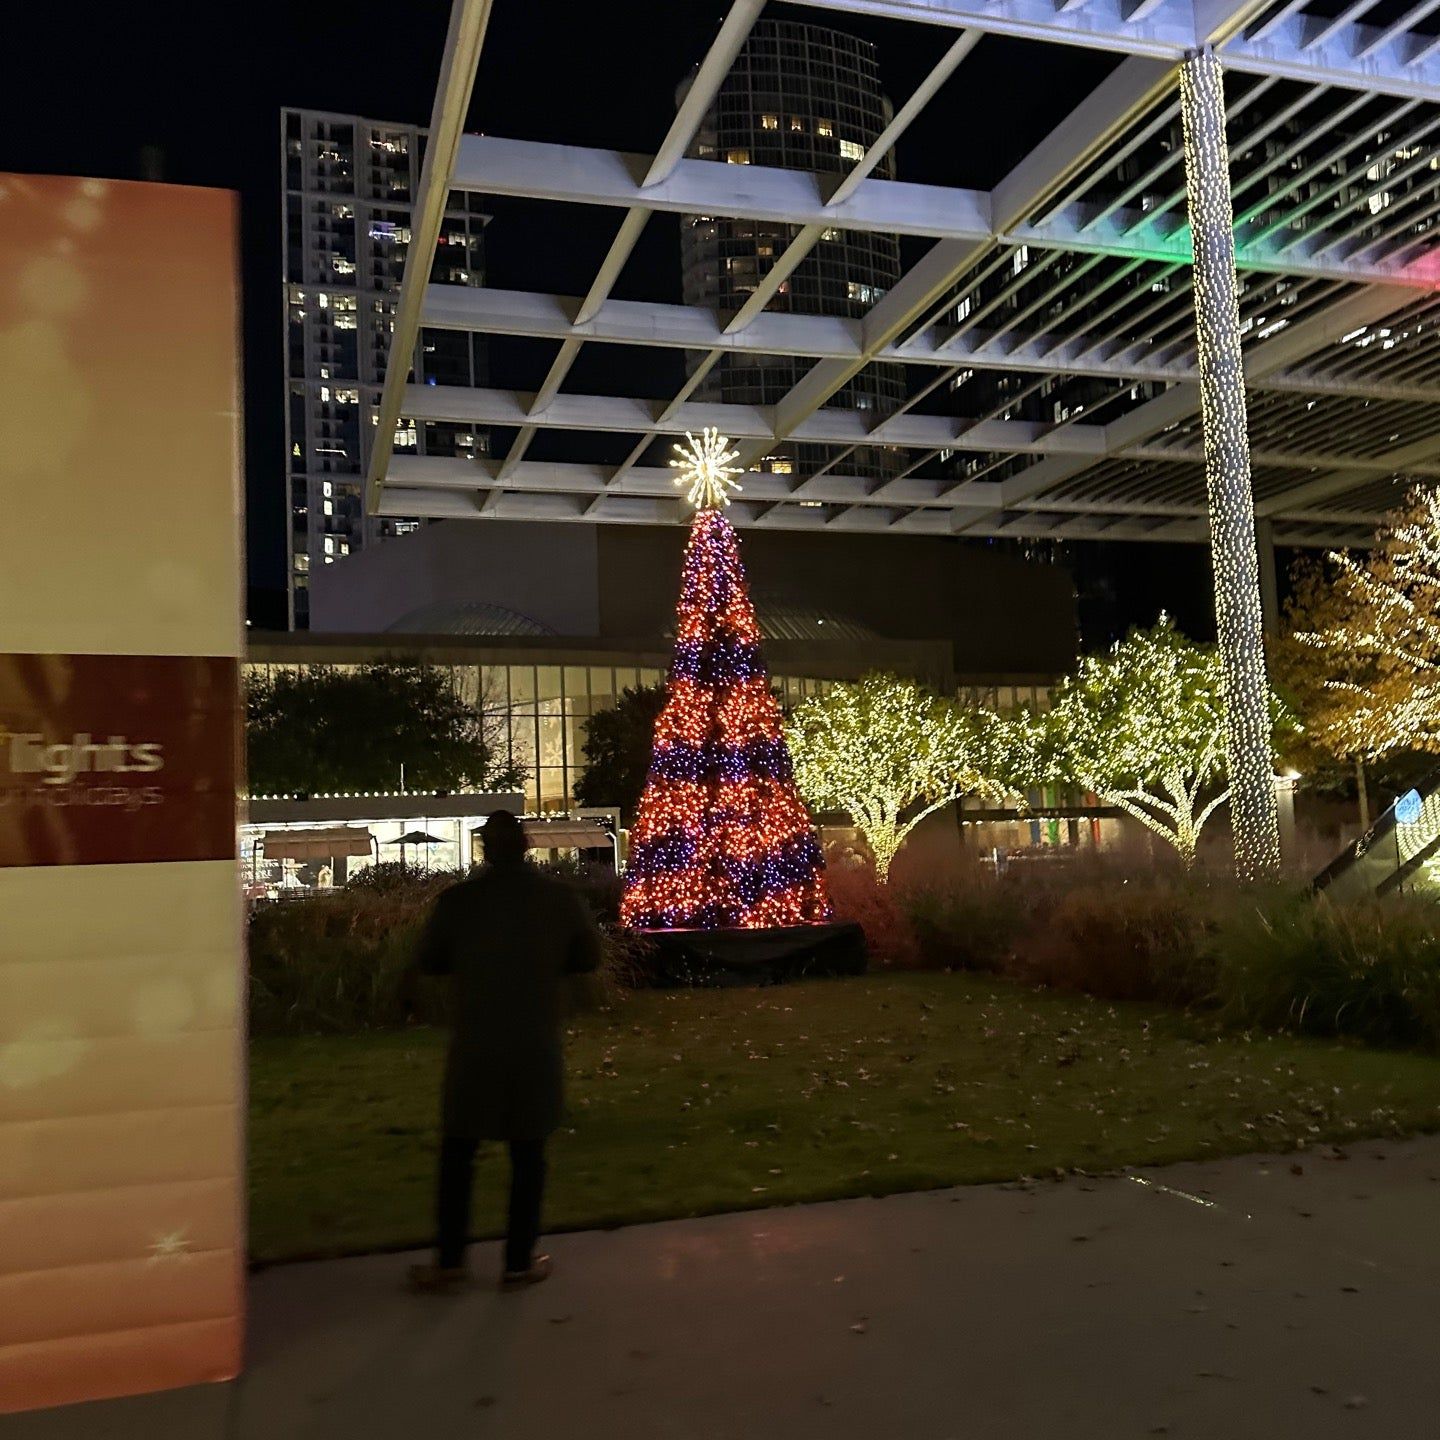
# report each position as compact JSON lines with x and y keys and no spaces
{"x":1223,"y":1301}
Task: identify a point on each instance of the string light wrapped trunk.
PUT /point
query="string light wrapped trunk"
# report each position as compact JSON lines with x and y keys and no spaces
{"x":1238,"y":614}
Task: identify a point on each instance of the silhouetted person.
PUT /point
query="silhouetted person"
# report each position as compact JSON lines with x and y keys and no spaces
{"x":507,"y":937}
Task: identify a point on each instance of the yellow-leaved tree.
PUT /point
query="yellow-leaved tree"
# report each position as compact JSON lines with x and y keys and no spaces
{"x":1362,"y":660}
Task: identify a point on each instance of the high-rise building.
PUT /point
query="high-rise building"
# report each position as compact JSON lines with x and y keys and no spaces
{"x":348,"y":185}
{"x":799,"y":97}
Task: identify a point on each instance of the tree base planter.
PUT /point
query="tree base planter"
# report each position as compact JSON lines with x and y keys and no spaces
{"x":754,"y":957}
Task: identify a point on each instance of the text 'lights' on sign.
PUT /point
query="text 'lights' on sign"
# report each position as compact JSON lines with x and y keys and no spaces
{"x":117,"y":759}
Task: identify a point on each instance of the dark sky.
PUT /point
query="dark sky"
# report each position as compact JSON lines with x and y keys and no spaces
{"x":90,"y":87}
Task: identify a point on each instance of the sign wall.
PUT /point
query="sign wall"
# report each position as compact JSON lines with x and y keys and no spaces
{"x":121,"y":978}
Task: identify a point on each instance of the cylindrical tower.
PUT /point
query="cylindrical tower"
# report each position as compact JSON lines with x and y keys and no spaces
{"x":799,"y":97}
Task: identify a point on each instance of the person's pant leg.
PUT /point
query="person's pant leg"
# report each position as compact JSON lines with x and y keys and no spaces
{"x":452,"y":1205}
{"x":527,"y":1192}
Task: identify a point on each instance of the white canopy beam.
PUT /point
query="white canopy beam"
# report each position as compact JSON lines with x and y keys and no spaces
{"x":688,"y":117}
{"x":1349,"y":54}
{"x":463,"y":42}
{"x":582,"y":176}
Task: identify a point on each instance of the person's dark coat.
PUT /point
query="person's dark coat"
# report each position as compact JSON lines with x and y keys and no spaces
{"x":507,"y":937}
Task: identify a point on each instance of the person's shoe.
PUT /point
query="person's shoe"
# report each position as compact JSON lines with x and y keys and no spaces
{"x":518,"y":1279}
{"x":437,"y":1279}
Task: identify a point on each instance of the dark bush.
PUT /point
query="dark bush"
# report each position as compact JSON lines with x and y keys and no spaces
{"x":1131,"y":941}
{"x":1369,"y":968}
{"x":341,"y":961}
{"x":974,"y":925}
{"x":858,"y":897}
{"x":396,"y":877}
{"x":338,"y":962}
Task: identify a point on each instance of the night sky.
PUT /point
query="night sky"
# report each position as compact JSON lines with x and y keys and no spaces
{"x":191,"y":94}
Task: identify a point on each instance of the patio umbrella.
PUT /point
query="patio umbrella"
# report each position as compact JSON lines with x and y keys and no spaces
{"x":415,"y":837}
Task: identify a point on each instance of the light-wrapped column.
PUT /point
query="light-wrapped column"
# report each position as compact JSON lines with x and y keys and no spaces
{"x":1238,"y":613}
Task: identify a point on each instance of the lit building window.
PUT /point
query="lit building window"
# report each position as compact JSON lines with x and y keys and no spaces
{"x":769,"y":122}
{"x":327,"y":489}
{"x":796,"y":123}
{"x":852,"y":150}
{"x":830,"y":234}
{"x":329,"y":507}
{"x":329,"y":544}
{"x":866,"y":294}
{"x":824,"y":127}
{"x":737,"y":157}
{"x":405,"y":433}
{"x":781,"y":467}
{"x":390,"y":230}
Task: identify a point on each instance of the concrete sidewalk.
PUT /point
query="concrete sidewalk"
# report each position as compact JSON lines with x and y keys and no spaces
{"x":1244,"y":1298}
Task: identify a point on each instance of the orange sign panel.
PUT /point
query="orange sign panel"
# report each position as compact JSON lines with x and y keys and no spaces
{"x":122,"y":1083}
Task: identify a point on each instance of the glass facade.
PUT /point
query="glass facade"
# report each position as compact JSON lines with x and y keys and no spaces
{"x":546,"y":706}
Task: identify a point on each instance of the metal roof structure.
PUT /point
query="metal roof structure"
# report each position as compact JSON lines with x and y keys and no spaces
{"x":1069,"y":278}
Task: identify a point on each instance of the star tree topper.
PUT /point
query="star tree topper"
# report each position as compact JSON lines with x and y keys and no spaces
{"x":704,"y":466}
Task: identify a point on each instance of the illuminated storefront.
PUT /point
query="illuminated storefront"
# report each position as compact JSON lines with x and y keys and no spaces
{"x":292,"y":847}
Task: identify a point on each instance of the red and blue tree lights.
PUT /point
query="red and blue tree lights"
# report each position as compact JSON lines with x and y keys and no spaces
{"x":722,"y":839}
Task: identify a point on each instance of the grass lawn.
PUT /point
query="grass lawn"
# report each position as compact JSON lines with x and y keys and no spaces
{"x":687,"y":1102}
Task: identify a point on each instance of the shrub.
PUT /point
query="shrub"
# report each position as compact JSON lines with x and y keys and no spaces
{"x":858,"y":896}
{"x":1368,"y":968}
{"x":973,"y":925}
{"x":396,"y":877}
{"x":342,"y":961}
{"x":1129,"y":941}
{"x":337,"y":962}
{"x":599,"y":884}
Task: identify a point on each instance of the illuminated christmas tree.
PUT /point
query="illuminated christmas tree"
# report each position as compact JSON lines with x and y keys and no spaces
{"x":722,"y":839}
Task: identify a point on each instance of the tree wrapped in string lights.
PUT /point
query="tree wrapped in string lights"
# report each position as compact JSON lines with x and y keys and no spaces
{"x":722,"y":839}
{"x":1364,"y":659}
{"x":1144,"y":729}
{"x":889,"y":753}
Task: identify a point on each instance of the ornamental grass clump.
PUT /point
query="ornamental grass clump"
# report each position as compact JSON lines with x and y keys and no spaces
{"x":1138,"y":940}
{"x":335,"y":963}
{"x":340,"y":962}
{"x":1369,"y":969}
{"x":977,"y":924}
{"x":858,"y":896}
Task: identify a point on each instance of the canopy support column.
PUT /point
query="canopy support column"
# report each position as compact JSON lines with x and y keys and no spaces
{"x":1238,"y":610}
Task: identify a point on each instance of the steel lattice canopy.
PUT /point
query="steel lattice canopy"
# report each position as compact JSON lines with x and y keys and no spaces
{"x":1075,"y":266}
